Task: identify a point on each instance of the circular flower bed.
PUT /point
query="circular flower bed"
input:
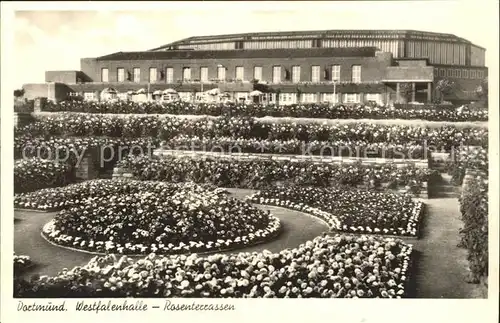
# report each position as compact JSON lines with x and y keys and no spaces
{"x":350,"y":210}
{"x":329,"y":266}
{"x":135,"y":217}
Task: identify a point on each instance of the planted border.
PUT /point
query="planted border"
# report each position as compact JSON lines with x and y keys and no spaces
{"x":327,"y":111}
{"x":334,"y":222}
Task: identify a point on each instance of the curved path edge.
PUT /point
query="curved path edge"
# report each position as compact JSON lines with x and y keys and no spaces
{"x":256,"y":242}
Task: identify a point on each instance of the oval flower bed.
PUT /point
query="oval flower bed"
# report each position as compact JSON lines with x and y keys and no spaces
{"x":350,"y":210}
{"x":328,"y":267}
{"x":141,"y":217}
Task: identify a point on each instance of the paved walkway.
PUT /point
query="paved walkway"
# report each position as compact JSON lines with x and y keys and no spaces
{"x":442,"y":267}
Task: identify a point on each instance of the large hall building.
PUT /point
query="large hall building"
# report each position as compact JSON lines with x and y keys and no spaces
{"x":339,"y":66}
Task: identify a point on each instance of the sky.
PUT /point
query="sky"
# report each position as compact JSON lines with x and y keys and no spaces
{"x":56,"y":40}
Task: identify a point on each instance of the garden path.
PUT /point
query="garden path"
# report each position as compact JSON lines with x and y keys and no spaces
{"x":440,"y":267}
{"x":297,"y":229}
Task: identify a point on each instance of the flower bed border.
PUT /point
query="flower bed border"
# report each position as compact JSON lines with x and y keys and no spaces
{"x":419,"y":163}
{"x":472,"y":177}
{"x":430,"y":123}
{"x":333,"y":222}
{"x":125,"y":173}
{"x":251,"y":242}
{"x":406,"y":265}
{"x":16,"y":209}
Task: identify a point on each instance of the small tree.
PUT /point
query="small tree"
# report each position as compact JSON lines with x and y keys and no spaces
{"x":482,"y":90}
{"x":406,"y":91}
{"x":444,"y":87}
{"x":299,"y":93}
{"x":18,"y":93}
{"x":277,"y":92}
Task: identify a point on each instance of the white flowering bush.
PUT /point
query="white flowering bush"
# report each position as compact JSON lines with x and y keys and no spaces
{"x":68,"y":149}
{"x":468,"y":158}
{"x":36,"y":173}
{"x":350,"y":210}
{"x":258,"y":174}
{"x":135,"y":217}
{"x":339,"y":266}
{"x":328,"y":111}
{"x":165,"y":128}
{"x":21,"y":264}
{"x":474,"y":235}
{"x":346,"y":148}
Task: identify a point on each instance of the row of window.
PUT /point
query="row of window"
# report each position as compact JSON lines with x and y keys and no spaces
{"x":284,"y":98}
{"x":295,"y":76}
{"x":326,"y":97}
{"x":460,"y":73}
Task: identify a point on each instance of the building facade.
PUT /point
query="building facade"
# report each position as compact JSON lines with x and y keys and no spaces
{"x":288,"y":67}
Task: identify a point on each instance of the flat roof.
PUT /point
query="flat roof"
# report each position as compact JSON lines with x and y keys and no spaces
{"x":243,"y":54}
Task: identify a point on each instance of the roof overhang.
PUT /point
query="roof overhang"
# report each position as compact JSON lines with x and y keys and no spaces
{"x":408,"y":81}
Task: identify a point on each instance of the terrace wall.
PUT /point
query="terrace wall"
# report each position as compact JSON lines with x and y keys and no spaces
{"x":318,"y":159}
{"x":52,"y":91}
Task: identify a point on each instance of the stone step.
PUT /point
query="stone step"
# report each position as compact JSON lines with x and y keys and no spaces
{"x":445,"y":195}
{"x":447,"y":188}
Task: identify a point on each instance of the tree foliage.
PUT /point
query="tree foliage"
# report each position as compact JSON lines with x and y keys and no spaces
{"x":482,"y":89}
{"x":444,"y":87}
{"x":18,"y":93}
{"x":406,"y":91}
